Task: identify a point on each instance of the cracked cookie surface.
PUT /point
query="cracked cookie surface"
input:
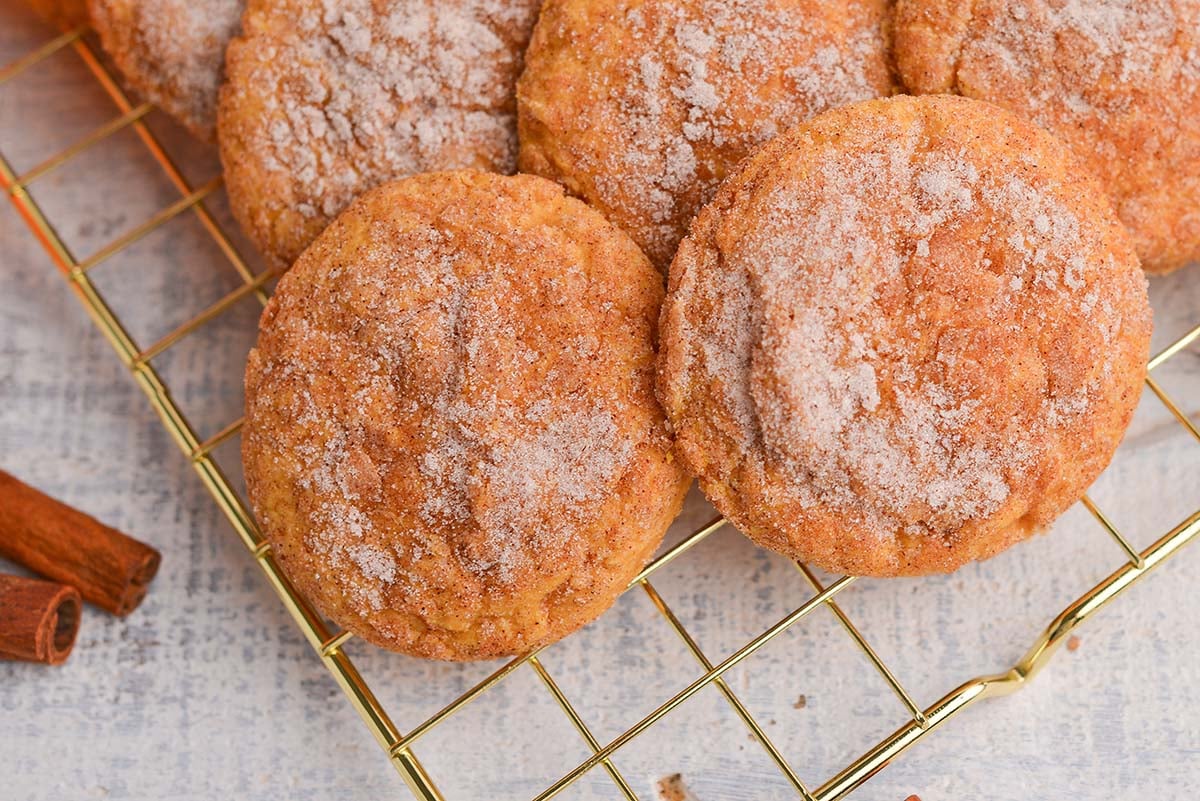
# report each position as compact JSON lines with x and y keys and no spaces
{"x":328,"y":98}
{"x":906,"y":335}
{"x":172,"y":52}
{"x":642,"y":107}
{"x":1118,"y":80}
{"x":451,"y":440}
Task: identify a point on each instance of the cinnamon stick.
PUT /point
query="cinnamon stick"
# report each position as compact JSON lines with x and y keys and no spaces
{"x":109,"y":569}
{"x":38,"y":619}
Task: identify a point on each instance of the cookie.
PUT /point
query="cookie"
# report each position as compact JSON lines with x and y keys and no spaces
{"x":906,"y":335}
{"x":171,"y":52}
{"x":642,"y":107}
{"x":327,"y":99}
{"x":451,"y":440}
{"x":1119,"y":80}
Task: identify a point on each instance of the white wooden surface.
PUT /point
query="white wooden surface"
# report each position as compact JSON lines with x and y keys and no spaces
{"x":208,"y":690}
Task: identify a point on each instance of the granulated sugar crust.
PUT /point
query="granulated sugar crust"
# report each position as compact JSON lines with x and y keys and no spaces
{"x":451,"y":435}
{"x":907,"y":334}
{"x":1118,"y":80}
{"x":642,"y":107}
{"x":172,"y":52}
{"x":328,"y":98}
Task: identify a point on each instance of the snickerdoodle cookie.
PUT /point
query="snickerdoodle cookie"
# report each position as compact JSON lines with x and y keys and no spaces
{"x":172,"y":52}
{"x":1118,"y":80}
{"x":907,"y":334}
{"x":452,"y":441}
{"x":642,"y":107}
{"x":327,"y":99}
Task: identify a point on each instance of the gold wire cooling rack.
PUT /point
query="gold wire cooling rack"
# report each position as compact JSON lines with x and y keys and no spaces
{"x":400,"y":746}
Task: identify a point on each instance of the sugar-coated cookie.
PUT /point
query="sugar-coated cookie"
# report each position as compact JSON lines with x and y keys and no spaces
{"x":172,"y":52}
{"x":1119,"y":80}
{"x":452,"y":441}
{"x":907,"y":334}
{"x":328,"y":98}
{"x":642,"y":107}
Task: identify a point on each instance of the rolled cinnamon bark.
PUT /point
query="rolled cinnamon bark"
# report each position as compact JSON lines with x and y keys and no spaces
{"x":109,"y":569}
{"x":38,"y":619}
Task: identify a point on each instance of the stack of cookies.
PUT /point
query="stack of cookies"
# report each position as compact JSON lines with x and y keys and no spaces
{"x":871,"y":271}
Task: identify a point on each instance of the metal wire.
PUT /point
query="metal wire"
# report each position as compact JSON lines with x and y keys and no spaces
{"x":329,"y":646}
{"x":756,"y":729}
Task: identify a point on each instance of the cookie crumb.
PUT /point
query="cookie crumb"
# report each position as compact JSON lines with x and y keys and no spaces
{"x":672,"y":788}
{"x":801,"y":702}
{"x":1073,"y":643}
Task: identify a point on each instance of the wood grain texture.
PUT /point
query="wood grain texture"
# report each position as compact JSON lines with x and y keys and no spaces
{"x":209,"y":690}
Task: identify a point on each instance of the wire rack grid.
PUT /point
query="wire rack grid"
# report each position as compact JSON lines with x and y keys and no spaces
{"x":328,"y":644}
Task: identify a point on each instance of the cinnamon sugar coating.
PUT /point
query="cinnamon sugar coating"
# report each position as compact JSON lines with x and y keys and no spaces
{"x":642,"y":107}
{"x":452,"y":441}
{"x":1118,"y":80}
{"x":906,"y":335}
{"x":172,"y":52}
{"x":328,"y":98}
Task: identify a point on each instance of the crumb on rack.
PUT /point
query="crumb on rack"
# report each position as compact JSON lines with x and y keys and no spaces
{"x":801,"y":702}
{"x":1073,"y":643}
{"x":672,"y":788}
